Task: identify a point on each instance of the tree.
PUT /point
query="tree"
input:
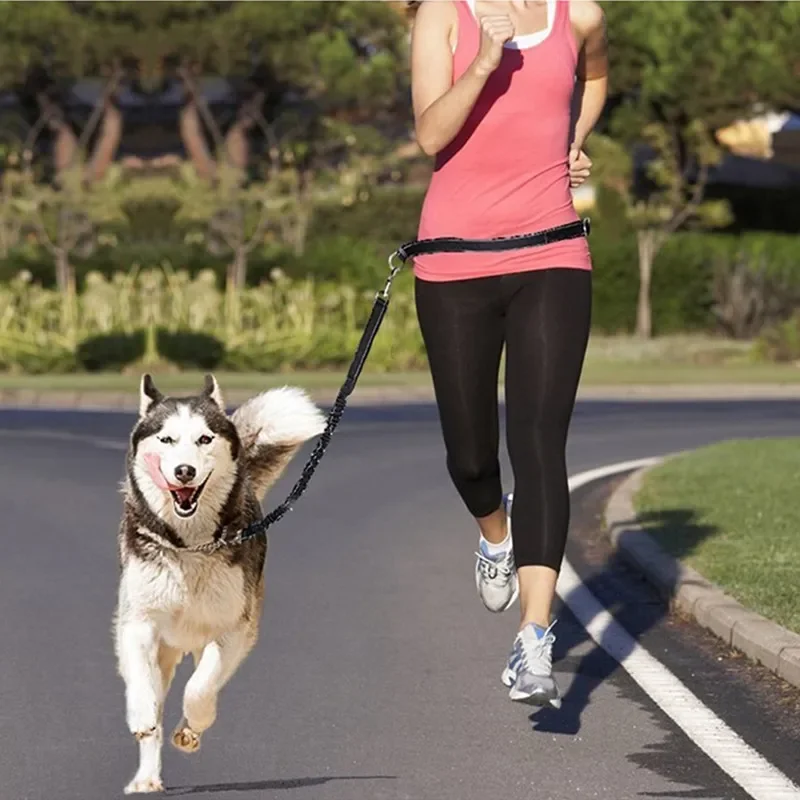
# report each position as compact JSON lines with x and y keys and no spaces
{"x":308,"y":97}
{"x":324,"y":79}
{"x":66,"y":219}
{"x":48,"y":48}
{"x":676,"y":69}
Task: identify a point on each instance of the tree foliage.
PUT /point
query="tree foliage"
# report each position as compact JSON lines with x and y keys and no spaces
{"x":318,"y":89}
{"x":679,"y":72}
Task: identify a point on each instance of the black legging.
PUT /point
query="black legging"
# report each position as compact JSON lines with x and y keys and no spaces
{"x":543,"y":319}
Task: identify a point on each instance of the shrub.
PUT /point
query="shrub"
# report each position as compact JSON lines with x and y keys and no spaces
{"x":109,"y":261}
{"x":755,"y":281}
{"x":389,"y":216}
{"x":110,"y":351}
{"x":35,"y":358}
{"x":780,"y":343}
{"x":247,"y":357}
{"x":190,"y":349}
{"x":740,"y":284}
{"x":341,"y":258}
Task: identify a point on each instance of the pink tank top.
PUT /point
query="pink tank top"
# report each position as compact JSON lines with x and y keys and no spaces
{"x":506,"y":172}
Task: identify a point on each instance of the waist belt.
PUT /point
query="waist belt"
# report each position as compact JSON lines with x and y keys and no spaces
{"x":451,"y":244}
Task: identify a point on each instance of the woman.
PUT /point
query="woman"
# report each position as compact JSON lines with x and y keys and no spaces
{"x":505,"y":95}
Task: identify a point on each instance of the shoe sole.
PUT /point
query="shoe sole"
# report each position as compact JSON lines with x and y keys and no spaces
{"x":509,"y":678}
{"x":535,"y":699}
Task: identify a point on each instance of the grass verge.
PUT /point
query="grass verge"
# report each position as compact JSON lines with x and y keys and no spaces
{"x":595,"y":374}
{"x":611,"y":361}
{"x":192,"y":381}
{"x":730,"y":511}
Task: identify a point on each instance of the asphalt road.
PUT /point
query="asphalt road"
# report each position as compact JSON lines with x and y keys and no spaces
{"x":377,"y":673}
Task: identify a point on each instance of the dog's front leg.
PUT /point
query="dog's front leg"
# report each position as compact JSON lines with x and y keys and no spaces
{"x":144,"y":695}
{"x":217,"y":663}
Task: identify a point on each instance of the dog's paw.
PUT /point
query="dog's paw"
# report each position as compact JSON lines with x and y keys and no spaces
{"x":144,"y":786}
{"x":185,"y":739}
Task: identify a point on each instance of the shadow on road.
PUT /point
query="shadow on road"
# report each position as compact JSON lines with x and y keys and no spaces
{"x":633,"y":602}
{"x":271,"y":785}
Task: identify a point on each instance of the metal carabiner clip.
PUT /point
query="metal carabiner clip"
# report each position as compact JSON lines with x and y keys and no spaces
{"x":394,"y":270}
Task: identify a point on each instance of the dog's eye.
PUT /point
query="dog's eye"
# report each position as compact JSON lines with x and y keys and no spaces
{"x":205,"y":439}
{"x":166,"y":440}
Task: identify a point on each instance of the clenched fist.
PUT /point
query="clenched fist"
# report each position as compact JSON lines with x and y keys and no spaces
{"x":496,"y":29}
{"x":580,"y":166}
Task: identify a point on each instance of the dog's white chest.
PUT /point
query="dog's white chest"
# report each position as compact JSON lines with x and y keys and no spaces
{"x":193,"y":599}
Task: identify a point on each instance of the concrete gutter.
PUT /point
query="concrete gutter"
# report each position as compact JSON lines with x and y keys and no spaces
{"x":684,"y":589}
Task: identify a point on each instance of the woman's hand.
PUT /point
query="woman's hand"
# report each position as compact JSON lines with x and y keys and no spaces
{"x":496,"y":30}
{"x":580,"y":166}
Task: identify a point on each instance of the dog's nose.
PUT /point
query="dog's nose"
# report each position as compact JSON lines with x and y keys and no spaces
{"x":185,"y":472}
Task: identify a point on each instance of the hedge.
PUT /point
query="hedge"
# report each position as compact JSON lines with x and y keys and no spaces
{"x":161,"y":315}
{"x":694,"y":272}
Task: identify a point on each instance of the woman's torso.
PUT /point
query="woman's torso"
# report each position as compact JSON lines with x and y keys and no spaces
{"x":506,"y":172}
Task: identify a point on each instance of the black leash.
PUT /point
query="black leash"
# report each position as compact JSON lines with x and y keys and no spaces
{"x":408,"y":250}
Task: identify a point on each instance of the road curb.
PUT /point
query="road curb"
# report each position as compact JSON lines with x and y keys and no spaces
{"x":98,"y":400}
{"x":129,"y":401}
{"x":686,"y":590}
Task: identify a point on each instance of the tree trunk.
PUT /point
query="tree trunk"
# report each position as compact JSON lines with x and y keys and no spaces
{"x":65,"y":278}
{"x":150,"y":357}
{"x":237,"y":146}
{"x":5,"y":238}
{"x":65,"y":146}
{"x":646,"y":241}
{"x":240,"y":268}
{"x":304,"y":208}
{"x":194,"y":140}
{"x":234,"y":281}
{"x":65,"y":274}
{"x":107,"y":143}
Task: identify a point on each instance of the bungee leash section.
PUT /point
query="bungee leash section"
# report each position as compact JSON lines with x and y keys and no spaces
{"x":415,"y":247}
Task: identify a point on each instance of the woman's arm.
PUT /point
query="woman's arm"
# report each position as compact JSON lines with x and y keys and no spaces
{"x":591,"y":87}
{"x":441,"y":107}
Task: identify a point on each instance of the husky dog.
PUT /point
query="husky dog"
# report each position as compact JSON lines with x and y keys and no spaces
{"x":195,"y":475}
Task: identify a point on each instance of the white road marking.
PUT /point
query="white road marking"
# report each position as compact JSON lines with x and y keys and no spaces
{"x":64,"y":436}
{"x":362,"y":429}
{"x":760,"y":779}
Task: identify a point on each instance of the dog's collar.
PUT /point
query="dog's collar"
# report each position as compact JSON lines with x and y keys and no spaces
{"x":175,"y":543}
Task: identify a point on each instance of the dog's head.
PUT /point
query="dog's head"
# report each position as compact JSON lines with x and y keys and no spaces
{"x":183,"y":454}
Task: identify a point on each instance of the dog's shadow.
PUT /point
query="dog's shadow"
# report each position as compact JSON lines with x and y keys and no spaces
{"x":271,"y":785}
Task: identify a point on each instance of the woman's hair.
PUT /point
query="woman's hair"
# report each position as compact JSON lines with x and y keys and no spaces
{"x":412,"y":6}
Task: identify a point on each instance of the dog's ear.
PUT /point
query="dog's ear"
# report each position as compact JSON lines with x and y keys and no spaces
{"x":212,"y":390}
{"x":148,"y":395}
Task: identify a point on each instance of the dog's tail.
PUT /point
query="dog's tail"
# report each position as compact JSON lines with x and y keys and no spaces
{"x":272,"y":427}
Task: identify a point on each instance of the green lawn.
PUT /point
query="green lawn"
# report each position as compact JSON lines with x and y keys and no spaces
{"x":731,"y":512}
{"x":655,"y":373}
{"x":596,"y":374}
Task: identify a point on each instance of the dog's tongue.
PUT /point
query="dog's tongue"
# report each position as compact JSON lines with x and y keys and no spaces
{"x":184,"y":495}
{"x":153,"y":463}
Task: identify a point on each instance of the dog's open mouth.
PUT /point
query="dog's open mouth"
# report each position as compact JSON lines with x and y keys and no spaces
{"x":185,"y":498}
